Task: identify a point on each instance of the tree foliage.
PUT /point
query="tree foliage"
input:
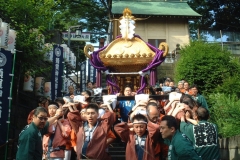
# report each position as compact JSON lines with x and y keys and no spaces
{"x":218,"y":14}
{"x":225,"y":113}
{"x":29,"y":19}
{"x":26,"y":16}
{"x":206,"y":65}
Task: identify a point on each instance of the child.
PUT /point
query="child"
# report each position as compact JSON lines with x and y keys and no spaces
{"x":141,"y":142}
{"x":91,"y":134}
{"x":54,"y":143}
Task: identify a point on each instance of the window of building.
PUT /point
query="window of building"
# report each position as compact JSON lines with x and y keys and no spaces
{"x":156,"y":42}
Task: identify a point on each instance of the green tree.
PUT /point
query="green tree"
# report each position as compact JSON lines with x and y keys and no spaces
{"x":225,"y":113}
{"x":216,"y":15}
{"x":29,"y":18}
{"x":206,"y":65}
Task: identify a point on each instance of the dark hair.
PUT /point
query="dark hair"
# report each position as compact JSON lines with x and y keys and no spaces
{"x":89,"y":82}
{"x":38,"y":110}
{"x":92,"y":106}
{"x":202,"y":113}
{"x":127,"y":86}
{"x":139,"y":117}
{"x":71,"y":86}
{"x":97,"y":100}
{"x":87,"y":92}
{"x":54,"y":103}
{"x":42,"y":100}
{"x":188,"y":100}
{"x":193,"y":86}
{"x":171,"y":121}
{"x":59,"y":100}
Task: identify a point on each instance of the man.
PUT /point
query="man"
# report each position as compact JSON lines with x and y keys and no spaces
{"x":154,"y":116}
{"x":30,"y":138}
{"x":179,"y":146}
{"x":92,"y":134}
{"x":186,"y":87}
{"x":70,"y":92}
{"x":152,"y":112}
{"x":203,"y":135}
{"x":126,"y":106}
{"x":90,"y":87}
{"x":193,"y":91}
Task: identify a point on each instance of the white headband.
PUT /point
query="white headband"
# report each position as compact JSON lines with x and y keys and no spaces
{"x":140,"y":122}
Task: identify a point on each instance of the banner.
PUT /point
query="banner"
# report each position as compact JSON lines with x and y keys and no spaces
{"x":5,"y":83}
{"x":57,"y":72}
{"x":83,"y":75}
{"x":91,"y":72}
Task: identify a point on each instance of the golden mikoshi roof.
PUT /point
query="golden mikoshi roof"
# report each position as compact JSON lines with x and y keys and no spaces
{"x":121,"y":53}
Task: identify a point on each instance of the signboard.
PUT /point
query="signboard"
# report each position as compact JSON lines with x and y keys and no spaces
{"x":91,"y":72}
{"x":73,"y":37}
{"x":5,"y":83}
{"x":83,"y":75}
{"x":57,"y":72}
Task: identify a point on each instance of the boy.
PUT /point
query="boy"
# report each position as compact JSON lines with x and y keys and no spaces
{"x":92,"y":134}
{"x":54,"y":143}
{"x":141,"y":141}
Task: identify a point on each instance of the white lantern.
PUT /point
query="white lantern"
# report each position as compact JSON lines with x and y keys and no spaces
{"x":47,"y":89}
{"x":4,"y":31}
{"x":72,"y":59}
{"x":74,"y":62}
{"x":28,"y":83}
{"x":64,"y":51}
{"x":11,"y":40}
{"x":39,"y":81}
{"x":67,"y":54}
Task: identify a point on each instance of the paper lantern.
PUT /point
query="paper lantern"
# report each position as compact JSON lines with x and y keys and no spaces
{"x":72,"y":59}
{"x":67,"y":55}
{"x":64,"y":51}
{"x":39,"y":82}
{"x":47,"y":89}
{"x":28,"y":83}
{"x":4,"y":32}
{"x":11,"y":40}
{"x":74,"y":62}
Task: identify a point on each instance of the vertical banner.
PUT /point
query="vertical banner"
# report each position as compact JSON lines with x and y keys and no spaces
{"x":83,"y":75}
{"x":5,"y":83}
{"x":91,"y":72}
{"x":57,"y":72}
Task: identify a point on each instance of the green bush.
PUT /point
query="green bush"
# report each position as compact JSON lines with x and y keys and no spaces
{"x":225,"y":110}
{"x":206,"y":65}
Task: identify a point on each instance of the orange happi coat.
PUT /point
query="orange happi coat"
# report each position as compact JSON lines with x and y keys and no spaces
{"x":150,"y":151}
{"x":58,"y":140}
{"x":97,"y":145}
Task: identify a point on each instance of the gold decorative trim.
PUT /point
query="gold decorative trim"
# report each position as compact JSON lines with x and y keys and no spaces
{"x":122,"y":52}
{"x":164,"y":47}
{"x":88,"y":48}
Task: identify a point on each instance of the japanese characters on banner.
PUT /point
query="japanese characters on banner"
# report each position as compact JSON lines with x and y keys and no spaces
{"x":57,"y":72}
{"x":5,"y":83}
{"x":91,"y":72}
{"x":83,"y":75}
